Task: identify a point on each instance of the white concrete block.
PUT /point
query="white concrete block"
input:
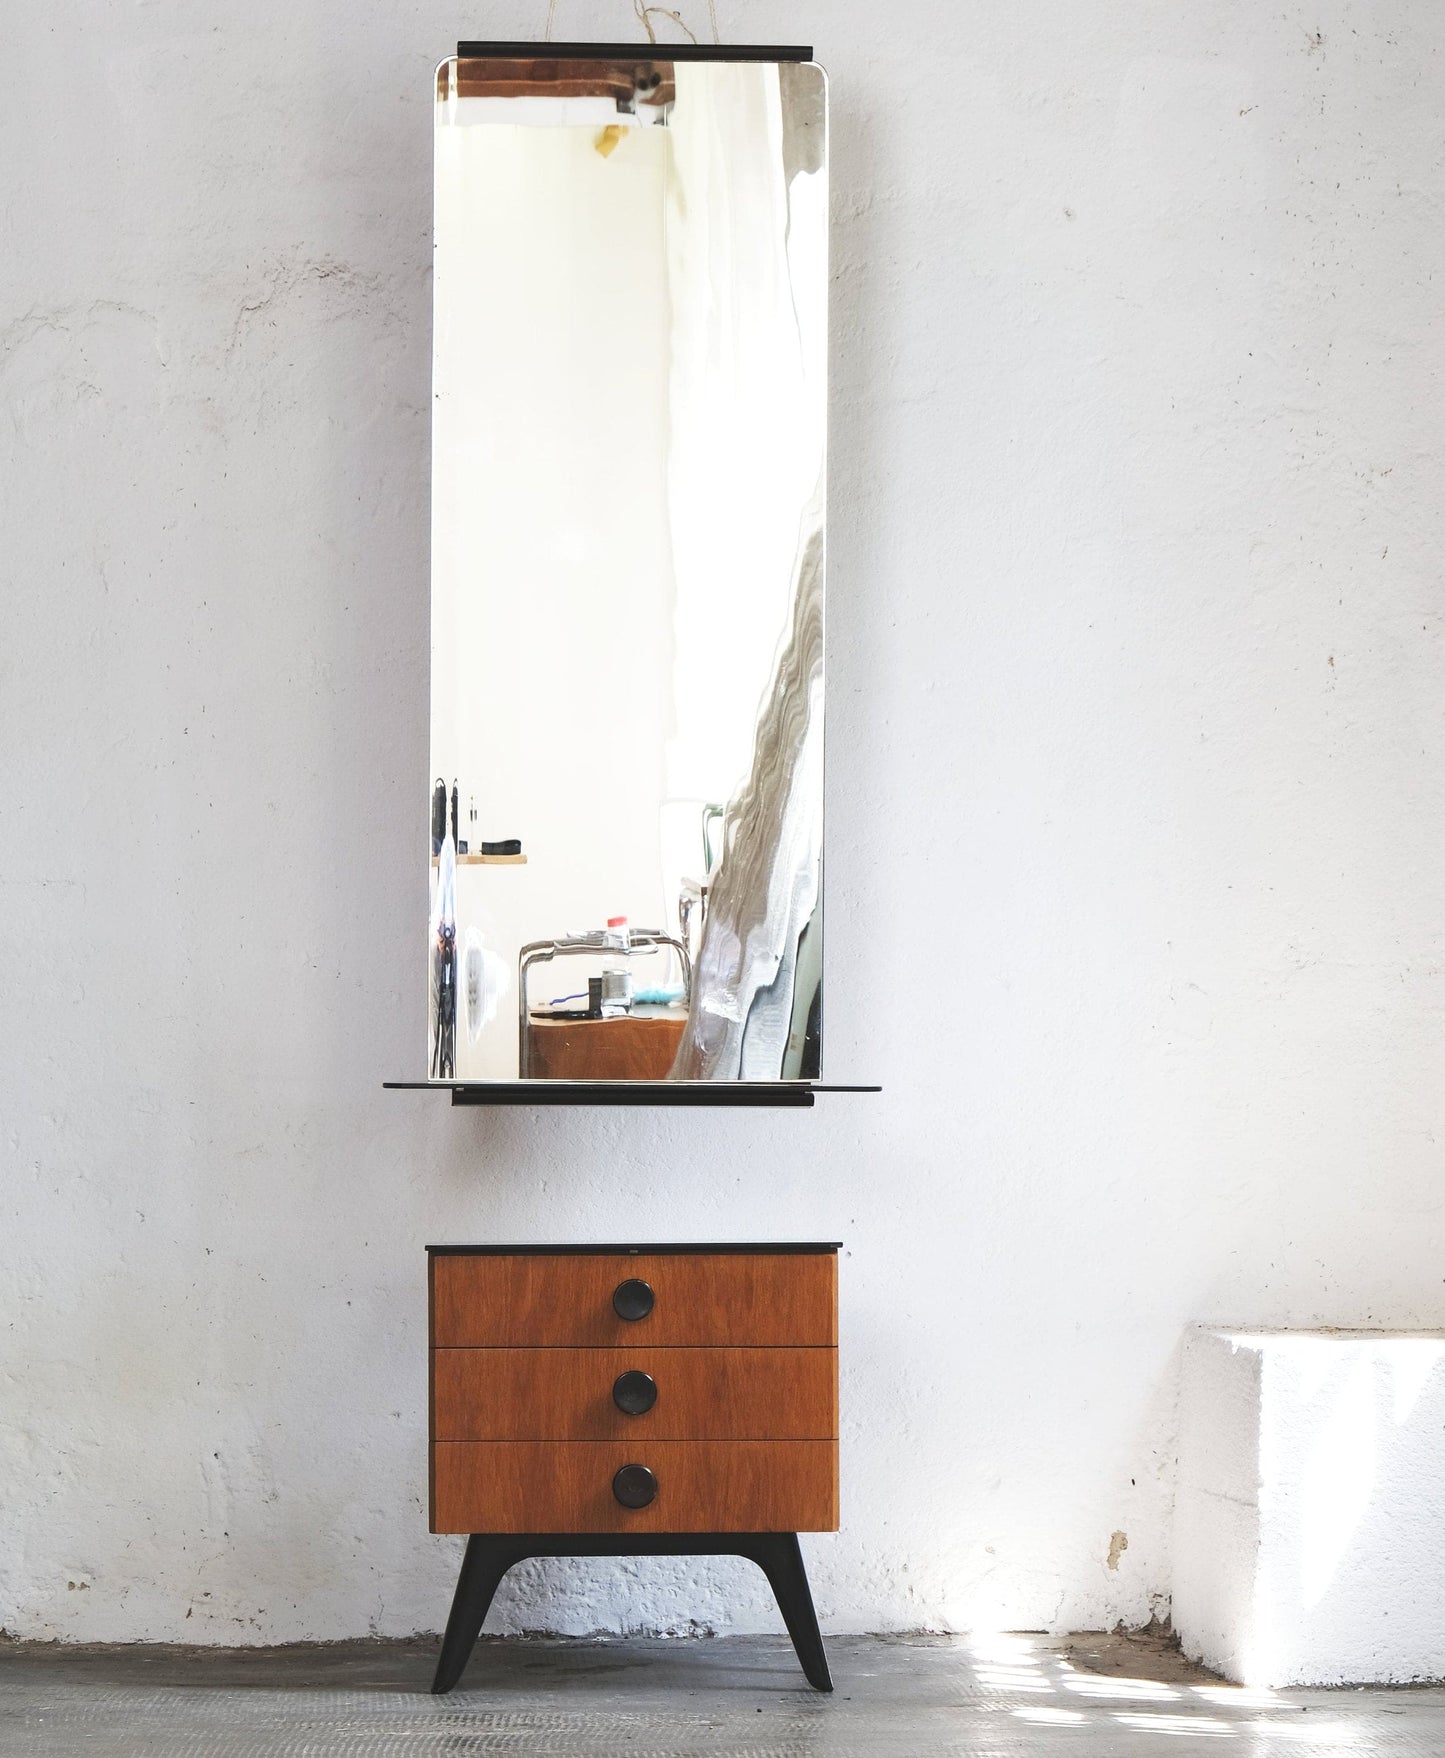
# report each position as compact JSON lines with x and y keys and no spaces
{"x":1309,"y":1533}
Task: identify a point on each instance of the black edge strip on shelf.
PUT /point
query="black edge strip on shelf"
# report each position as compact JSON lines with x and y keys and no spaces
{"x":634,"y":1092}
{"x":539,"y":1089}
{"x":633,"y":52}
{"x":650,"y":1092}
{"x":769,"y":1247}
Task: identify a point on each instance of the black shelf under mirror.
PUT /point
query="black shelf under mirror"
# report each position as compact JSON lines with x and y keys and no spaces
{"x":638,"y":1092}
{"x":484,"y":51}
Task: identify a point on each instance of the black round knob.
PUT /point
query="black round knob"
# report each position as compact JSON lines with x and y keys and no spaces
{"x":634,"y":1486}
{"x":632,"y":1299}
{"x":634,"y":1392}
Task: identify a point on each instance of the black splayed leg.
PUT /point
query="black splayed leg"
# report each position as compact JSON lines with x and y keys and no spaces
{"x":486,"y":1561}
{"x":490,"y":1555}
{"x":778,"y":1555}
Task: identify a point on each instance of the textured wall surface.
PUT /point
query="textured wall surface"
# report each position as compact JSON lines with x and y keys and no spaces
{"x":1137,"y":785}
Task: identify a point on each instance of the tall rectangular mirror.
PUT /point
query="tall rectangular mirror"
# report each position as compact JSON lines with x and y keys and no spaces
{"x":628,"y":466}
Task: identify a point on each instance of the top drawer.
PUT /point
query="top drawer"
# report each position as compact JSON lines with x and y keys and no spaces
{"x":696,"y":1299}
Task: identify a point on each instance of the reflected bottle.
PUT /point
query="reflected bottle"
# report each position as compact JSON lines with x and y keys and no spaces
{"x":617,"y":969}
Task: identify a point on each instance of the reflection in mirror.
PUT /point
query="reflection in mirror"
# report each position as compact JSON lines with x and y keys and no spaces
{"x":627,"y":570}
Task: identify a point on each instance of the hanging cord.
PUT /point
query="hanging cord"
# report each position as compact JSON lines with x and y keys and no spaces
{"x":645,"y":12}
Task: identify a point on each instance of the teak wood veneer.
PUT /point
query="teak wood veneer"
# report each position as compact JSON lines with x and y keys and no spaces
{"x":708,"y":1299}
{"x":633,"y":1399}
{"x":566,"y":1395}
{"x":702,"y":1486}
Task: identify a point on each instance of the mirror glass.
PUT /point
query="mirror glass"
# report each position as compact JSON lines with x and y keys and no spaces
{"x":629,"y":426}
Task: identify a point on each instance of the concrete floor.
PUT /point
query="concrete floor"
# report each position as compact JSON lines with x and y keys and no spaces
{"x":743,"y":1696}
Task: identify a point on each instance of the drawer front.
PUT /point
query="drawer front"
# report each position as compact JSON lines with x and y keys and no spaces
{"x":602,"y":1394}
{"x":698,"y":1486}
{"x":737,"y":1300}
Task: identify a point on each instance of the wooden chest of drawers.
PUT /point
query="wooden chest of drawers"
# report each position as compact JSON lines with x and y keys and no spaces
{"x":601,"y":1399}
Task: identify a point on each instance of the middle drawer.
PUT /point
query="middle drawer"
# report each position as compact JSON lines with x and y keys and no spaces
{"x":612,"y":1394}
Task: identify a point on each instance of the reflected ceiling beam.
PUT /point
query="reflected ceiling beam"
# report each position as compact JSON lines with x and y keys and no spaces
{"x":641,"y":81}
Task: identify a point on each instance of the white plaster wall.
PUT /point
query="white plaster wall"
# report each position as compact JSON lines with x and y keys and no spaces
{"x":1135,"y":659}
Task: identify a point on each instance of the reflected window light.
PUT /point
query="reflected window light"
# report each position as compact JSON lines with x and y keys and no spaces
{"x":1319,"y":1734}
{"x":1199,"y":1727}
{"x":997,"y":1679}
{"x":1051,"y":1717}
{"x":1089,"y":1685}
{"x":1015,"y":1650}
{"x":1237,"y":1696}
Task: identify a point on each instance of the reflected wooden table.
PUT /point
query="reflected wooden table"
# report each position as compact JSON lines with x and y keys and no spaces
{"x":639,"y":1045}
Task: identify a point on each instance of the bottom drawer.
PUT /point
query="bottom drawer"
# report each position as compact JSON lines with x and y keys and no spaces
{"x":696,"y":1486}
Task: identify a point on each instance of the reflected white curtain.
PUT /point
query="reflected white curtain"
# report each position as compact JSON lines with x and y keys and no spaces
{"x":747,"y":269}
